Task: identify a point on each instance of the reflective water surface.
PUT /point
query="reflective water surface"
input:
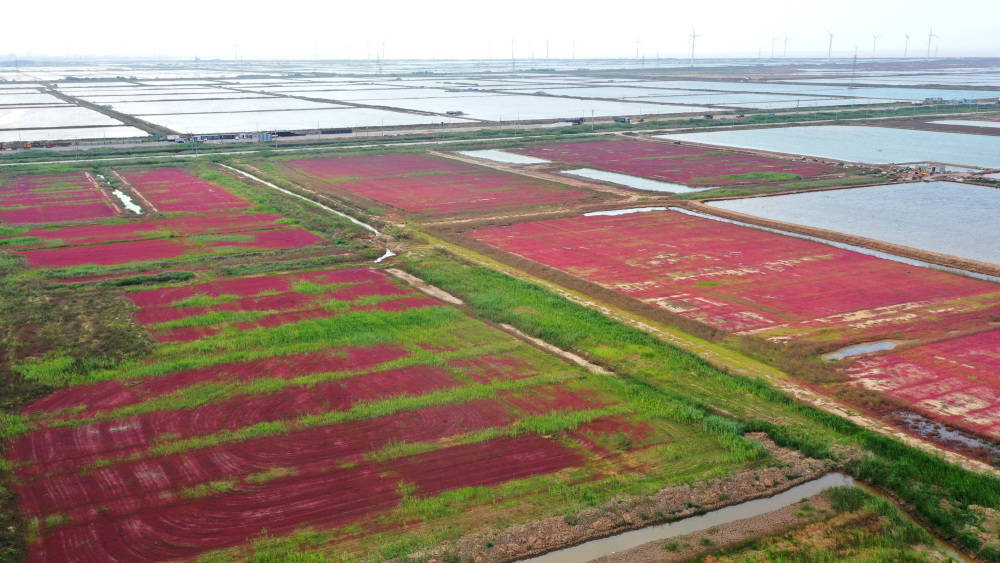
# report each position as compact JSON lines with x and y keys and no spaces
{"x":943,"y":217}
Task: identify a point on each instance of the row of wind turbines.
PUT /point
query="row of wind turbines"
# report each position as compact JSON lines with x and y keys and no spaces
{"x":931,"y":36}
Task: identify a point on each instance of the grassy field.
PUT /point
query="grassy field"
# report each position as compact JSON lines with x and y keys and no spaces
{"x":856,"y":527}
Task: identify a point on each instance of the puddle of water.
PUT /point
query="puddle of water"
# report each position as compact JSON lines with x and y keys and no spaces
{"x":614,"y":212}
{"x":859,"y":349}
{"x":388,"y":254}
{"x":940,"y":433}
{"x":851,"y":247}
{"x":503,"y":156}
{"x":633,"y":181}
{"x":628,"y":540}
{"x":968,"y":122}
{"x":127,"y":201}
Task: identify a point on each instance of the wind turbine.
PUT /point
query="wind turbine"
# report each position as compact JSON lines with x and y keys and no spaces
{"x":854,"y":67}
{"x":875,"y":37}
{"x":784,"y":53}
{"x":693,"y":37}
{"x":829,"y":50}
{"x":930,"y":36}
{"x":906,"y":46}
{"x":773,"y":39}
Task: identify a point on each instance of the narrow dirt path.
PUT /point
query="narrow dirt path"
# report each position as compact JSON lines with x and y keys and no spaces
{"x":566,"y":355}
{"x":443,"y":295}
{"x":425,"y":287}
{"x":361,"y":224}
{"x":104,"y":194}
{"x":149,"y":205}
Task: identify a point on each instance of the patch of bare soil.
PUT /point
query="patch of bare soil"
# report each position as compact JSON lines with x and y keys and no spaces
{"x":988,"y":530}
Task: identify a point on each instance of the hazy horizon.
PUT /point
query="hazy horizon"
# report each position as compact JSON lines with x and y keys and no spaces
{"x":446,"y":29}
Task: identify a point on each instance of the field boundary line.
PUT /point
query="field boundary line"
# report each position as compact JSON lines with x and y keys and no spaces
{"x":110,"y":200}
{"x":132,"y":189}
{"x":425,"y":287}
{"x":723,"y":358}
{"x":566,"y":355}
{"x":439,"y":293}
{"x":303,"y":198}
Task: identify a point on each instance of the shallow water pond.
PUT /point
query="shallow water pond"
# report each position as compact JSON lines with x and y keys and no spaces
{"x":944,"y":217}
{"x":853,"y":143}
{"x":635,"y":182}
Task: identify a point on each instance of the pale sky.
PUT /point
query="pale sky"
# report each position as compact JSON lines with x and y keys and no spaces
{"x":298,"y":29}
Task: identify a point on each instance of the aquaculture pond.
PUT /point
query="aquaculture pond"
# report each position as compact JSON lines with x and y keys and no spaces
{"x":944,"y":217}
{"x":854,"y":143}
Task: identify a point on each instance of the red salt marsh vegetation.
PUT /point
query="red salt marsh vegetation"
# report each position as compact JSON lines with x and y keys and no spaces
{"x":172,"y":189}
{"x":787,"y":290}
{"x":285,"y":404}
{"x":746,"y":280}
{"x":956,"y":380}
{"x":160,"y":249}
{"x":191,"y":312}
{"x":427,"y":184}
{"x":50,"y":199}
{"x":195,"y":218}
{"x":157,"y":227}
{"x":682,"y":164}
{"x":357,"y":415}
